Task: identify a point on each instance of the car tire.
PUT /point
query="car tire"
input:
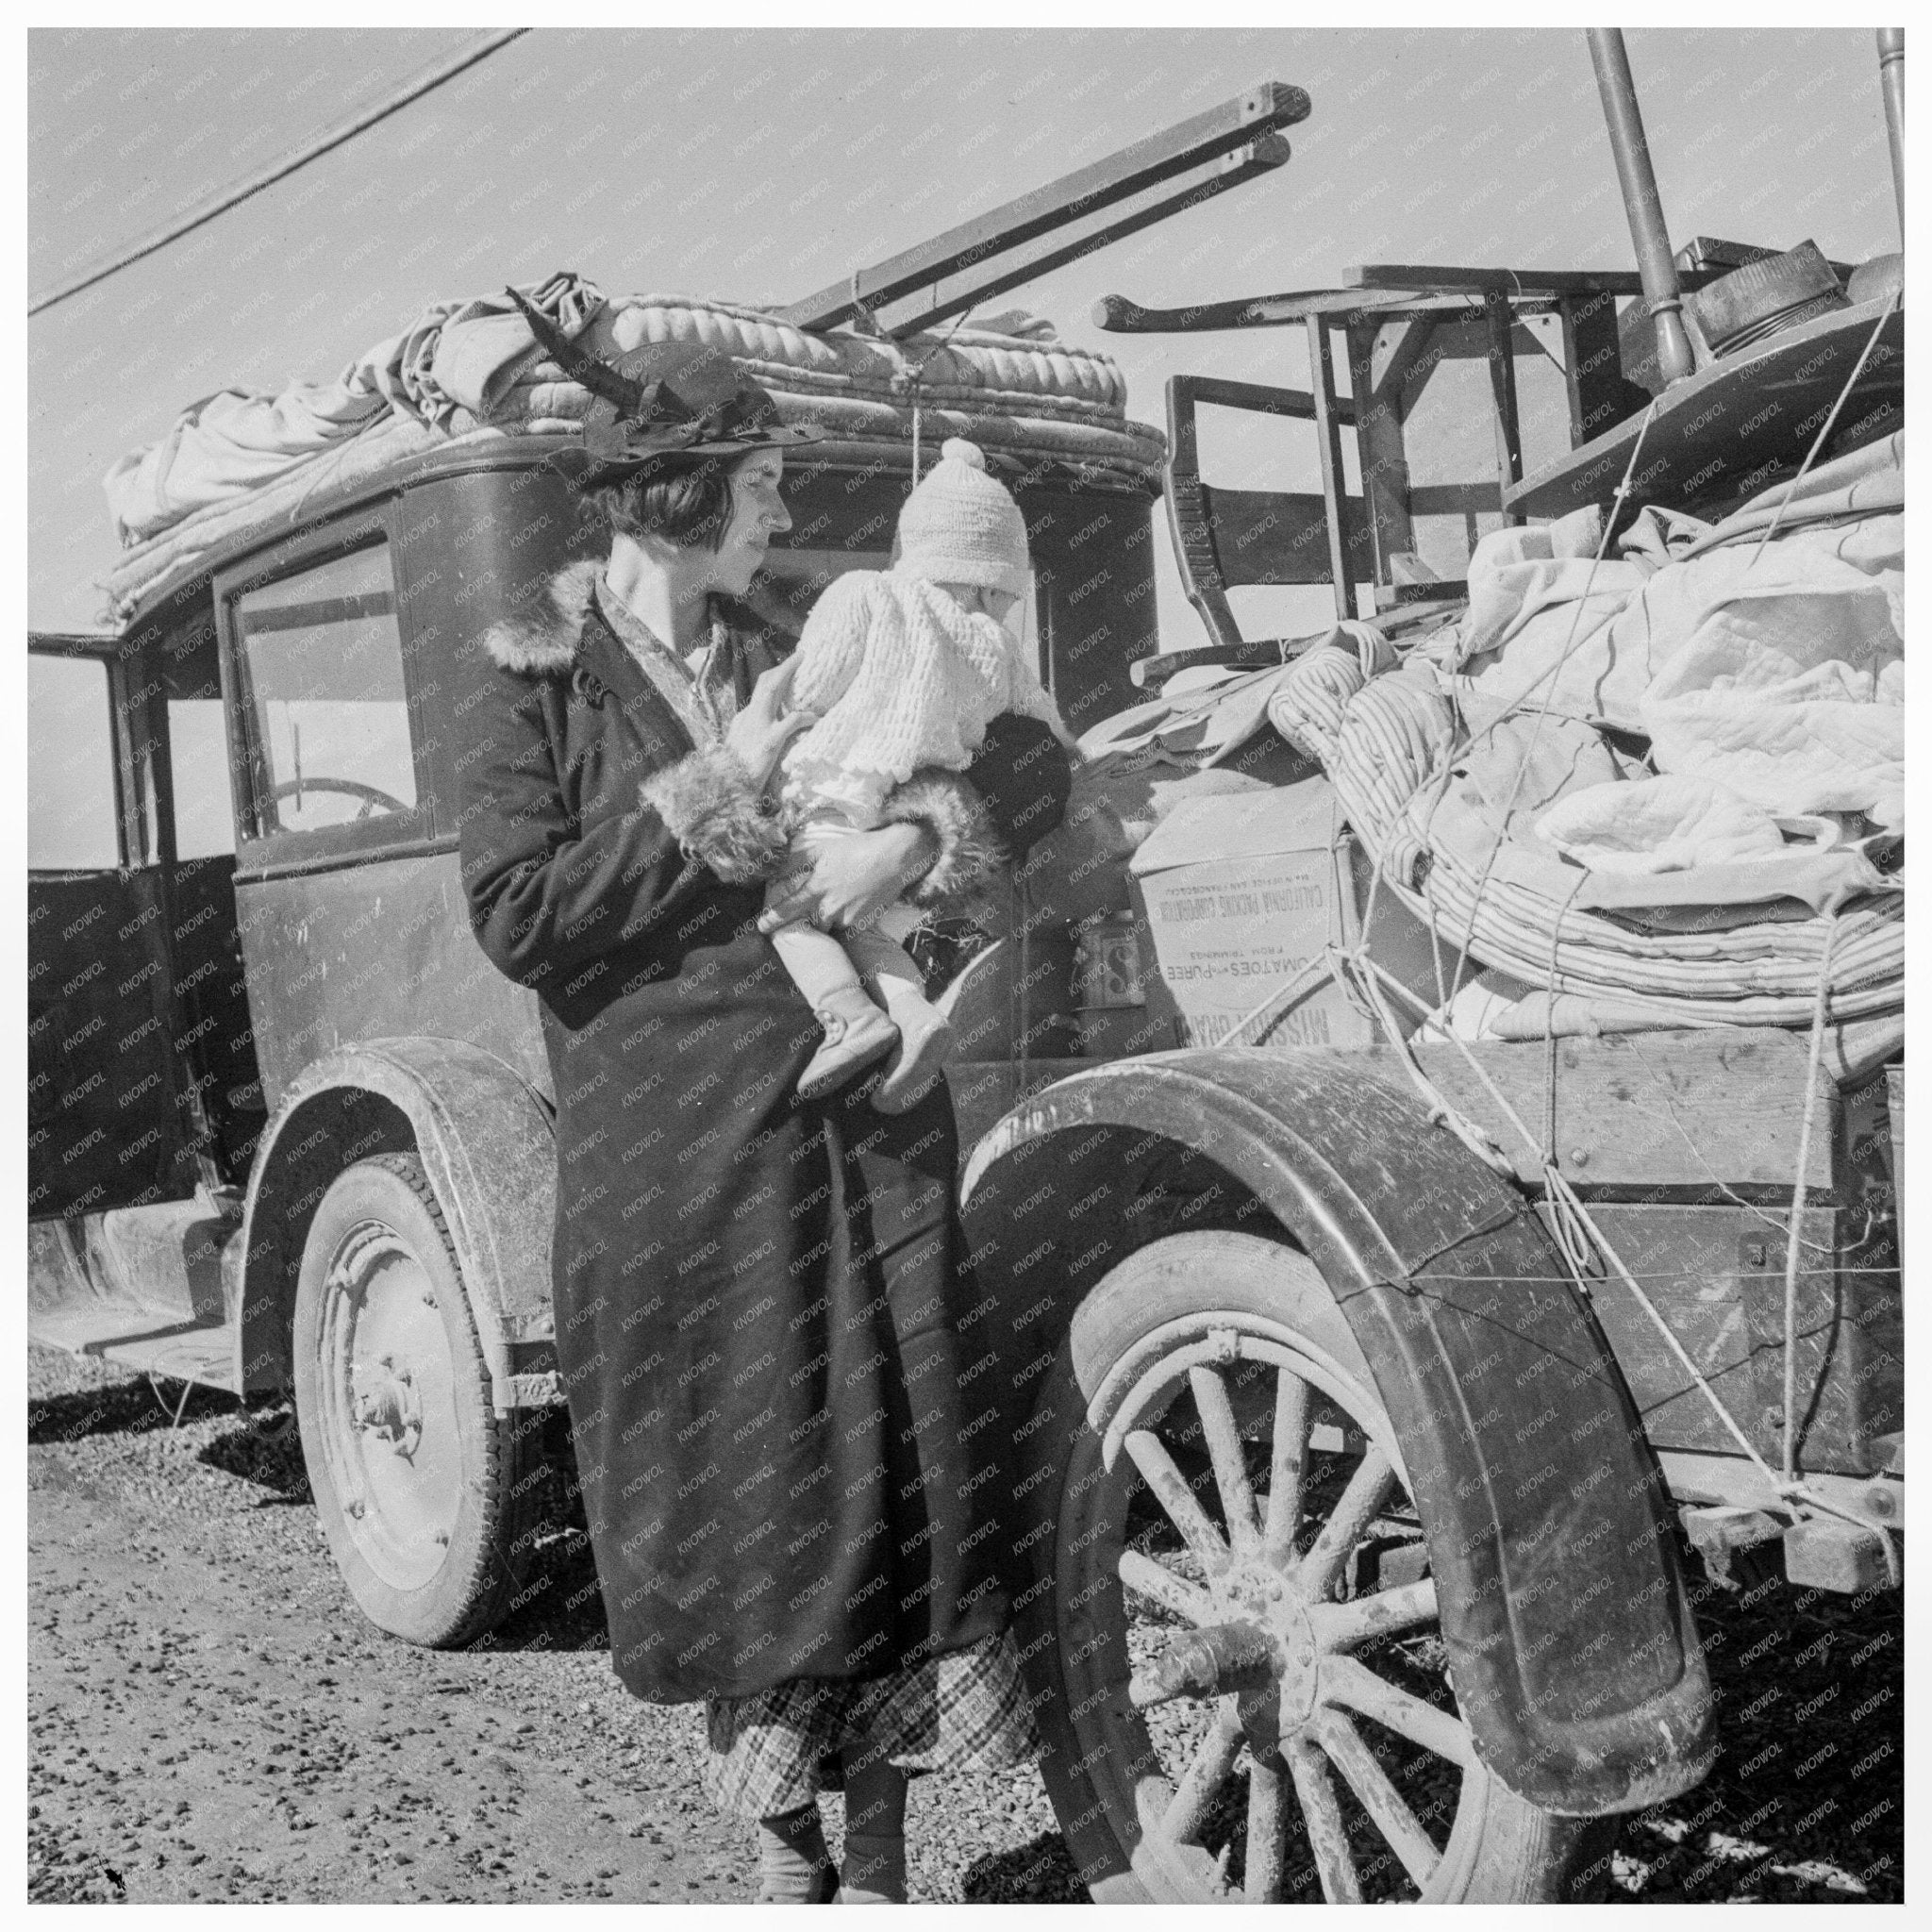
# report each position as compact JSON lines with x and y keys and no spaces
{"x":423,"y":1491}
{"x":1246,"y":1326}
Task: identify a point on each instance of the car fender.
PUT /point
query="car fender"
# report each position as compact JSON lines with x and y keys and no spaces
{"x":486,"y":1144}
{"x":1575,"y":1654}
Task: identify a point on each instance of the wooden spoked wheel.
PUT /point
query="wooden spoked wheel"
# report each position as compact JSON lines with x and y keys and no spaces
{"x":1248,"y":1694}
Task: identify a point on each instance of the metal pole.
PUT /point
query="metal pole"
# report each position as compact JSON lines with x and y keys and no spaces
{"x":1641,"y":203}
{"x":225,"y":198}
{"x":1892,"y":79}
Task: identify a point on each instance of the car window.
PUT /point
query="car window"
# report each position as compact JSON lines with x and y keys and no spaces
{"x":198,"y":756}
{"x":323,"y":657}
{"x":71,"y":821}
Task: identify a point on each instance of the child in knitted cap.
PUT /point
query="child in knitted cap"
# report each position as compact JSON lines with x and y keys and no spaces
{"x":906,"y":667}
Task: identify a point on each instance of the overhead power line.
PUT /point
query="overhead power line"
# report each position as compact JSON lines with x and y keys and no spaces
{"x":224,"y":198}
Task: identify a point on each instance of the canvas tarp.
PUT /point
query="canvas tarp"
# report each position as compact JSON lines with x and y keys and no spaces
{"x":455,"y":354}
{"x":1772,"y":669}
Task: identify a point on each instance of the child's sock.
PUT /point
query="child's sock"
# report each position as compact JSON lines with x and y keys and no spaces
{"x":873,"y":1868}
{"x":794,"y":1867}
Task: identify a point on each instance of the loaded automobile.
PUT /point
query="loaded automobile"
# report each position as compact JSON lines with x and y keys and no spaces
{"x":1369,"y":1371}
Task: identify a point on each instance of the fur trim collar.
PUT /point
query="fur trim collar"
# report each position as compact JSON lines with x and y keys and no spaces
{"x":540,"y":640}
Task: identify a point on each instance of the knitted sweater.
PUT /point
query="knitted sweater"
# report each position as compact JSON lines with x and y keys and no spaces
{"x":902,"y":676}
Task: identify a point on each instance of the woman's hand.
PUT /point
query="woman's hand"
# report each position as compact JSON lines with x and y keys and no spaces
{"x":850,"y":881}
{"x":760,"y":733}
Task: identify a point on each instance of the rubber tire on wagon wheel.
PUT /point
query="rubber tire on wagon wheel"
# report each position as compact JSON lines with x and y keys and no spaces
{"x":1210,"y":1380}
{"x":419,"y":1483}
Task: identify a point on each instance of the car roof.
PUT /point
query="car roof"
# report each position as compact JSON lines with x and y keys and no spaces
{"x":85,"y":642}
{"x":490,"y":450}
{"x":456,"y":457}
{"x":1024,"y":394}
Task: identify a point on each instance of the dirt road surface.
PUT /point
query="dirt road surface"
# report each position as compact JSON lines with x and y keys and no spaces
{"x":210,"y":1717}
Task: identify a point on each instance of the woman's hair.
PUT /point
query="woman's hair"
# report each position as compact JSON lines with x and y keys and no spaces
{"x":685,"y":500}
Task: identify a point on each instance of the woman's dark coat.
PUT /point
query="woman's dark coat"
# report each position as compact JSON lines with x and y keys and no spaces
{"x":779,"y":1372}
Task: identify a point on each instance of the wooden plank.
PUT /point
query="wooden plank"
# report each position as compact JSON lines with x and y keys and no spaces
{"x":1716,"y":1276}
{"x":1379,"y":360}
{"x":1707,"y":1109}
{"x":1594,"y":367}
{"x":1264,"y":399}
{"x":1454,"y":499}
{"x":1328,"y":438}
{"x":1695,"y":1112}
{"x":1117,"y":315}
{"x":1202,"y":137}
{"x":1743,"y":422}
{"x":1509,"y":281}
{"x":1396,"y":350}
{"x":1503,"y":395}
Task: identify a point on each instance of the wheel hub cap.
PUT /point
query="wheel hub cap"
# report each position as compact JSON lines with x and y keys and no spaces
{"x":1270,"y":1603}
{"x":386,"y":1404}
{"x":395,"y":1452}
{"x":1267,"y":1644}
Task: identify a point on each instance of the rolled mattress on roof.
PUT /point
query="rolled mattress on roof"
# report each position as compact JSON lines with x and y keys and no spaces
{"x":247,"y":461}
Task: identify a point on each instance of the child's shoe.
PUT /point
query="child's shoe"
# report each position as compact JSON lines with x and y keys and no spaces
{"x":857,"y":1033}
{"x":926,"y":1044}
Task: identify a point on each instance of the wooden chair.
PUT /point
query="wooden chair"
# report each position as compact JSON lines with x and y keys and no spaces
{"x":1399,"y":326}
{"x":1224,"y":539}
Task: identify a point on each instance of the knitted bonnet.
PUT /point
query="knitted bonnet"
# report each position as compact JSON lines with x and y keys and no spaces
{"x":961,"y":526}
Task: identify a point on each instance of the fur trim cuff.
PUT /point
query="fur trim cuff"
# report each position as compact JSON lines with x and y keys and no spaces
{"x":713,"y":810}
{"x":542,"y":641}
{"x":970,"y":852}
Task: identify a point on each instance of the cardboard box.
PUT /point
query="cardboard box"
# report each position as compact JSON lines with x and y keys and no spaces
{"x":1236,"y":894}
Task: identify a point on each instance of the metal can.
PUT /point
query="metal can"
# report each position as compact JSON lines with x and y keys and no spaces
{"x":1107,"y":966}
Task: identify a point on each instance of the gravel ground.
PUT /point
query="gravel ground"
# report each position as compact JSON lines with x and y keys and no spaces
{"x":210,"y":1718}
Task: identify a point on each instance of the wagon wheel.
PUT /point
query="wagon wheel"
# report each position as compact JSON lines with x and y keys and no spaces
{"x":1237,"y":1703}
{"x":420,"y":1484}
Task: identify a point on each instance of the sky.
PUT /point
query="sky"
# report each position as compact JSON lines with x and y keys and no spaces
{"x":760,"y":165}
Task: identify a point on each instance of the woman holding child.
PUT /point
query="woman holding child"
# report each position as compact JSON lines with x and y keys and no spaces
{"x":766,"y":1317}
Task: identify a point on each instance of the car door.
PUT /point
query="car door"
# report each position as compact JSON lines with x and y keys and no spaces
{"x":106,"y":1122}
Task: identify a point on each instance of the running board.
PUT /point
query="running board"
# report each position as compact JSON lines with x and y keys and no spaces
{"x":139,"y":1286}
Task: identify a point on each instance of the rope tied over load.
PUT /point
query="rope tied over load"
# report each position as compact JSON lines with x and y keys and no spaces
{"x":1392,"y":745}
